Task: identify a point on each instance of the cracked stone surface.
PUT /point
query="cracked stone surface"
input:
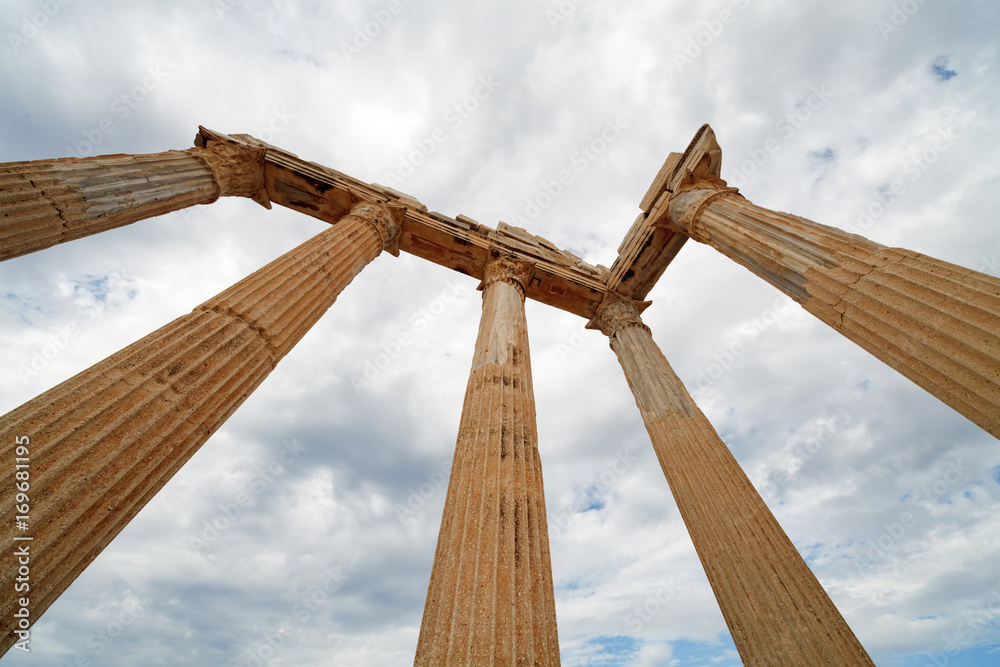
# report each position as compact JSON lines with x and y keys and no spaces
{"x":934,"y":322}
{"x":491,"y":599}
{"x":110,"y":437}
{"x":775,"y":608}
{"x":47,"y":202}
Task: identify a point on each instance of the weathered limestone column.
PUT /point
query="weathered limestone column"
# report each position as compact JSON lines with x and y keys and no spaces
{"x":105,"y":441}
{"x":936,"y":323}
{"x":490,"y":599}
{"x":776,"y":610}
{"x":47,"y":202}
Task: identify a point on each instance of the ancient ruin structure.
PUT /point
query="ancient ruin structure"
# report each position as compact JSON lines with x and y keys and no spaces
{"x":105,"y":441}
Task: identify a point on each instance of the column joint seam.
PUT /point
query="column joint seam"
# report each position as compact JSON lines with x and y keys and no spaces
{"x":261,"y":332}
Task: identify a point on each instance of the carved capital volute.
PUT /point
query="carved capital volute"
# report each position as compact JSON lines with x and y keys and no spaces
{"x":685,"y":208}
{"x":617,"y":312}
{"x":387,"y":220}
{"x":238,"y":170}
{"x":505,"y":267}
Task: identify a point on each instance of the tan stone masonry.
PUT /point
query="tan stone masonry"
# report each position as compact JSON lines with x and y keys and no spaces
{"x":776,"y":610}
{"x":106,"y":440}
{"x":491,"y":599}
{"x":48,"y":202}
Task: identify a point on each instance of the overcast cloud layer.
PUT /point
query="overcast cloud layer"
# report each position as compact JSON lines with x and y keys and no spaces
{"x":473,"y":109}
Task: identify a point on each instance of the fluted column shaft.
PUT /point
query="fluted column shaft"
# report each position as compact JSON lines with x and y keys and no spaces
{"x":936,"y":323}
{"x":47,"y":202}
{"x":105,"y":441}
{"x":776,"y":610}
{"x":490,"y":600}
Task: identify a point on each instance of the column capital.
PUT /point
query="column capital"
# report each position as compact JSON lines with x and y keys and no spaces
{"x":684,"y":209}
{"x":238,"y":170}
{"x":506,"y":267}
{"x":617,"y":312}
{"x":386,"y":219}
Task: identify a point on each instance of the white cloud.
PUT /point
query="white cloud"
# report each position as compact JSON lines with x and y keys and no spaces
{"x":856,"y":443}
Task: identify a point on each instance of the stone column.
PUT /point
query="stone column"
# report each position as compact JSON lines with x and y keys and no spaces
{"x":776,"y":610}
{"x":490,"y":599}
{"x":105,"y":441}
{"x":47,"y":202}
{"x":936,"y":323}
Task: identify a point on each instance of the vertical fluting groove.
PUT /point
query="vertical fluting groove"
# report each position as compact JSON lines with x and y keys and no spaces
{"x":130,"y":493}
{"x":451,"y":524}
{"x":48,"y":202}
{"x":525,"y":644}
{"x":627,"y":344}
{"x":776,"y":609}
{"x":61,"y":474}
{"x":936,"y":323}
{"x":685,"y":437}
{"x":490,"y":599}
{"x":106,"y":440}
{"x":440,"y":608}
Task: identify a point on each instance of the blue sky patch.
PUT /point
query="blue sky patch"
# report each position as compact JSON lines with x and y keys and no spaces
{"x":592,"y":500}
{"x":981,"y":656}
{"x":698,"y":654}
{"x":613,"y":650}
{"x":828,"y":155}
{"x":939,"y":68}
{"x":21,"y":305}
{"x":101,"y":288}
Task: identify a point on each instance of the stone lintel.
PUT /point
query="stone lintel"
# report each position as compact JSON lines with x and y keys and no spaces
{"x":560,"y":279}
{"x":650,"y":245}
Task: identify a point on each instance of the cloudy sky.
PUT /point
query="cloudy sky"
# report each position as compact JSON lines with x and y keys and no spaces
{"x":473,"y":109}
